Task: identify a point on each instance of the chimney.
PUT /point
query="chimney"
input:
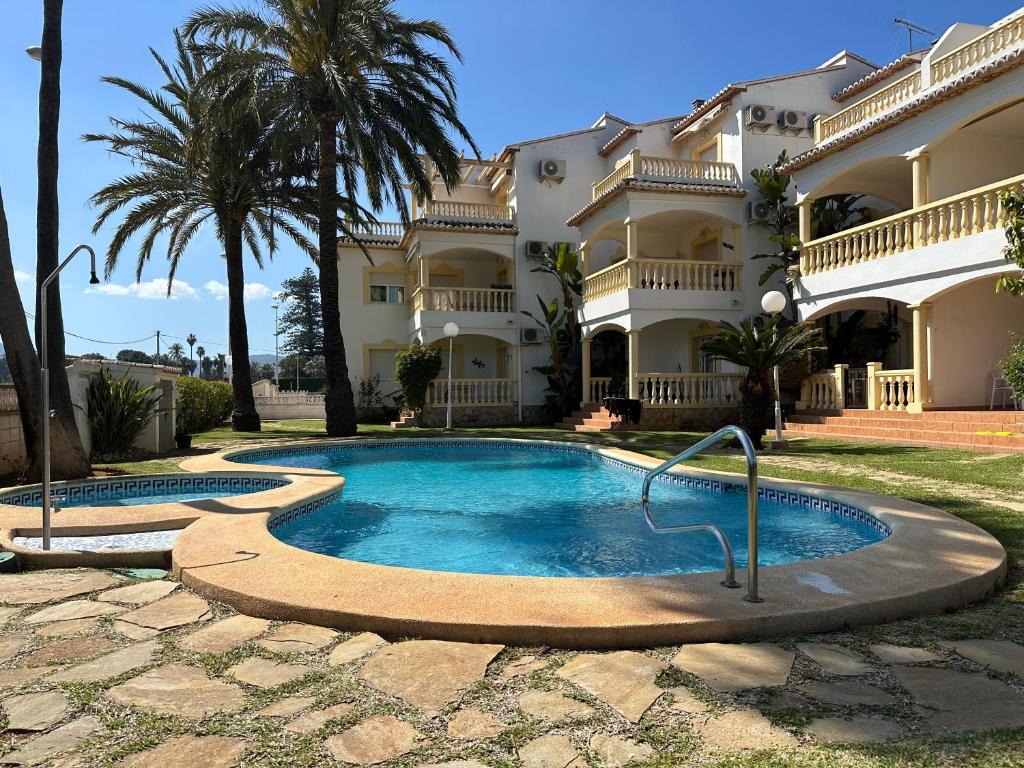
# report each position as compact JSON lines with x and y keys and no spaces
{"x":697,"y":104}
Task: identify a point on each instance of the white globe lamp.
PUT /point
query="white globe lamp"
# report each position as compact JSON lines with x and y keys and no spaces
{"x":773,"y":303}
{"x":451,"y":330}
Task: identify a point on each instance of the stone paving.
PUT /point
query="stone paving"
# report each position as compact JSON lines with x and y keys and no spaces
{"x":192,"y":683}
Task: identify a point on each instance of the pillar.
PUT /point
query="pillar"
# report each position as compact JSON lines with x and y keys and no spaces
{"x":922,"y":355}
{"x":804,"y":212}
{"x":737,"y":245}
{"x":634,"y":363}
{"x":424,"y":272}
{"x":586,"y":370}
{"x":873,"y":393}
{"x":921,"y":183}
{"x":632,"y":250}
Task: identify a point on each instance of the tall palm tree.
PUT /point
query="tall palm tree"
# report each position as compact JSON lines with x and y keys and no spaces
{"x":201,"y":158}
{"x":758,"y":352}
{"x":191,"y":341}
{"x":368,"y":89}
{"x":201,"y":351}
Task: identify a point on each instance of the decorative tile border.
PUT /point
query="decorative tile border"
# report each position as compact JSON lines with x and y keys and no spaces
{"x":308,"y":508}
{"x":83,"y":492}
{"x":793,"y":498}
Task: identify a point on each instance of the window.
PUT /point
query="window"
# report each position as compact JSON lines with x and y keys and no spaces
{"x":387,"y":294}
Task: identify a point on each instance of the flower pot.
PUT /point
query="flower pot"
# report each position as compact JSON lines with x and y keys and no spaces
{"x":184,"y":442}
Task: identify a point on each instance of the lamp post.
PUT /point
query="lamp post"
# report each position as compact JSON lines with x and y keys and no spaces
{"x":44,"y":378}
{"x":451,"y":330}
{"x":773,"y":303}
{"x":277,"y":356}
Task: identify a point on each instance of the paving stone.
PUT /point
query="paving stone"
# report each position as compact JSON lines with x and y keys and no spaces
{"x":35,"y":711}
{"x":552,"y":705}
{"x":859,"y":730}
{"x":355,"y":648}
{"x":683,"y":700}
{"x":783,"y":699}
{"x":551,"y":751}
{"x":902,"y":654}
{"x":617,"y":751}
{"x":742,"y":729}
{"x":286,"y":707}
{"x":12,"y":678}
{"x":178,"y":689}
{"x":264,"y":673}
{"x":736,"y":666}
{"x":111,"y":665}
{"x":1000,"y":655}
{"x":376,"y":739}
{"x":298,"y":638}
{"x":134,"y":631}
{"x":961,"y":701}
{"x":523,"y":666}
{"x":225,"y":634}
{"x":44,"y":586}
{"x":174,"y":611}
{"x":65,"y":628}
{"x":317,"y":719}
{"x":139,"y":594}
{"x":847,"y":693}
{"x":835,"y":659}
{"x":48,"y":745}
{"x":474,"y":723}
{"x":73,"y":609}
{"x":11,"y":645}
{"x":204,"y":751}
{"x":623,"y":680}
{"x":428,"y":673}
{"x":65,"y":650}
{"x":7,"y":613}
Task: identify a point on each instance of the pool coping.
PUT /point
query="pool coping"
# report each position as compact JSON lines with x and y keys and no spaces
{"x":236,"y":559}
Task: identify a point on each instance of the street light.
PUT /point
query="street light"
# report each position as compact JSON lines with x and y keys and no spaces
{"x":277,"y":357}
{"x":35,"y":52}
{"x":773,"y":303}
{"x":451,"y":330}
{"x":44,"y":378}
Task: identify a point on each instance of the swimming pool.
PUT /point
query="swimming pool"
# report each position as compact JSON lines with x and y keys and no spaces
{"x":503,"y":508}
{"x":141,"y":491}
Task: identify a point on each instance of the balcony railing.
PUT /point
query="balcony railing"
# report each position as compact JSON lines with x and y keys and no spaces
{"x":667,"y":169}
{"x":969,"y":213}
{"x":954,"y":64}
{"x":689,"y":390}
{"x":464,"y":300}
{"x":886,"y":390}
{"x":663,"y":275}
{"x":472,"y":392}
{"x":452,"y":210}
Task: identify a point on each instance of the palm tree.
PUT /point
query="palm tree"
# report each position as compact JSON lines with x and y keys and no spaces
{"x":177,"y":352}
{"x":191,"y":341}
{"x":200,"y":158}
{"x":201,"y":351}
{"x":758,"y":353}
{"x":359,"y":78}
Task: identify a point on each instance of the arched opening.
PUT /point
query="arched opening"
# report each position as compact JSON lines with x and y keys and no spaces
{"x":609,"y":365}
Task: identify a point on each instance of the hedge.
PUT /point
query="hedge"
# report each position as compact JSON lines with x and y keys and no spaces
{"x":202,"y":404}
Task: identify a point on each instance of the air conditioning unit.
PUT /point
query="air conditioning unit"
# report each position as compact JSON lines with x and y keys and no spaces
{"x":792,"y":120}
{"x":535,"y":248}
{"x":552,"y":170}
{"x":758,"y":210}
{"x":759,"y":115}
{"x":530,"y":335}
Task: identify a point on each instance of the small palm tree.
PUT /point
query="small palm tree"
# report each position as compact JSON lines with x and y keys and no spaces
{"x":176,"y":351}
{"x":201,"y":351}
{"x":191,"y":341}
{"x":370,"y":90}
{"x":758,"y":352}
{"x":202,"y":157}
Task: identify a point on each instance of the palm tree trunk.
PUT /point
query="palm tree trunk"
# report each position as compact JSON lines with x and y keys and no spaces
{"x":244,"y":417}
{"x":339,"y":401}
{"x":754,"y":404}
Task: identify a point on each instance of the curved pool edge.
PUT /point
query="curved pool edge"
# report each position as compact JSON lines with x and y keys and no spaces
{"x":237,"y":560}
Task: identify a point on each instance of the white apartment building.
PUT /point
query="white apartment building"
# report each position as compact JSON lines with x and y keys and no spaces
{"x":662,"y":214}
{"x":937,"y":135}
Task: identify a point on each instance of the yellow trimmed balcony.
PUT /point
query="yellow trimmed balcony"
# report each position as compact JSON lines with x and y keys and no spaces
{"x":463,"y":300}
{"x":667,"y":169}
{"x":472,"y":392}
{"x":969,"y":213}
{"x":467,"y":213}
{"x":676,"y":390}
{"x":663,"y":275}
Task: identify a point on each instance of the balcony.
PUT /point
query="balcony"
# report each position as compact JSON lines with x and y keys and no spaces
{"x":385,"y":233}
{"x":668,"y":170}
{"x":463,"y":300}
{"x":455,"y":212}
{"x":663,"y":275}
{"x":940,"y":72}
{"x":471,"y":392}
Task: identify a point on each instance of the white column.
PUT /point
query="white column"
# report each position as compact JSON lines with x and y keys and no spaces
{"x":586,"y":371}
{"x":585,"y":259}
{"x":632,"y":250}
{"x":804,"y":212}
{"x":921,"y":185}
{"x":634,"y":363}
{"x":922,"y":369}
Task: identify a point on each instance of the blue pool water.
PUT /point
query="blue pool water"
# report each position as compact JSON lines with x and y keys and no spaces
{"x":531,"y":510}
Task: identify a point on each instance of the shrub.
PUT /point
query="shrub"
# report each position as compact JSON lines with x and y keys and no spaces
{"x":119,"y":409}
{"x":201,"y":404}
{"x":370,"y":395}
{"x":415,"y":368}
{"x":1012,"y":367}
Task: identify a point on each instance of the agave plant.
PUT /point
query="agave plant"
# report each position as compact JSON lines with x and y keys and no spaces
{"x":119,"y":409}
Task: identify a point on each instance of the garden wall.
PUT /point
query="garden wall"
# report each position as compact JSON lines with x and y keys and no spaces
{"x":12,"y":443}
{"x":291,"y":405}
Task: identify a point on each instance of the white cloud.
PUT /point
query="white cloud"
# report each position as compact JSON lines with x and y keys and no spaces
{"x":23,"y":277}
{"x":253,"y":291}
{"x":151,"y":289}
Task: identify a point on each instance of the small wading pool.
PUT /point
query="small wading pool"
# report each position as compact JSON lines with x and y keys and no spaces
{"x":154,"y":489}
{"x":543,"y":510}
{"x":146,"y":540}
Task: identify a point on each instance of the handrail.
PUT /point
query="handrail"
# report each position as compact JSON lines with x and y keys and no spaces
{"x":730,"y":566}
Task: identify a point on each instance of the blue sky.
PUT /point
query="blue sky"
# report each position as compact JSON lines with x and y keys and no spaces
{"x":532,"y":68}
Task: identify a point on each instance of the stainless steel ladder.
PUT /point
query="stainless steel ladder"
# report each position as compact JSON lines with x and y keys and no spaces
{"x":730,"y":566}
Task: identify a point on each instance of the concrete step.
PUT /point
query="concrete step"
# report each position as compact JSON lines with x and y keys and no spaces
{"x":922,"y":425}
{"x":929,"y":438}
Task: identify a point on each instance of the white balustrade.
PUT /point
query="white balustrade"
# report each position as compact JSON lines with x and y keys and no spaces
{"x":674,"y":169}
{"x":600,"y":388}
{"x":472,"y":392}
{"x":686,"y":275}
{"x":689,"y":390}
{"x":460,"y":211}
{"x":892,"y":390}
{"x":464,"y":300}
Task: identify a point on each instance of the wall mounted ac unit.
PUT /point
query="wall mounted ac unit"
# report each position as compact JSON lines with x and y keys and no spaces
{"x":535,"y":248}
{"x":759,"y":115}
{"x":552,"y":170}
{"x":758,"y":210}
{"x":792,"y":120}
{"x":530,"y":335}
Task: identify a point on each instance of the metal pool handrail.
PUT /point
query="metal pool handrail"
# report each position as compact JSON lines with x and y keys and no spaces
{"x":730,"y":567}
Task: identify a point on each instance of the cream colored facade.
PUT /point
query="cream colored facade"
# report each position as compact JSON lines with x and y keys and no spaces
{"x":936,"y":142}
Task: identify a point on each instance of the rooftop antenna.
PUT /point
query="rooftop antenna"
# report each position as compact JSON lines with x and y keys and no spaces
{"x":911,"y":29}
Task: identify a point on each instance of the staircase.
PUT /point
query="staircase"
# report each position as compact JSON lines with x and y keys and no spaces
{"x":590,"y":418}
{"x":406,"y":419}
{"x":977,"y":430}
